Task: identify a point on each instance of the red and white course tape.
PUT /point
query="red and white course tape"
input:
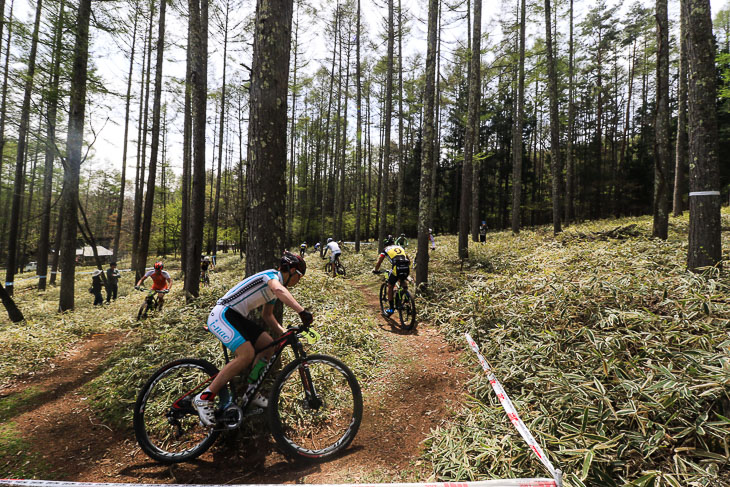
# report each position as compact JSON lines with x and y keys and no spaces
{"x":486,"y":483}
{"x":513,"y":416}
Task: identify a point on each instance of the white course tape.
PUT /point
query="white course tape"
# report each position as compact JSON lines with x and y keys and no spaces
{"x":513,"y":416}
{"x":705,"y":193}
{"x":485,"y":483}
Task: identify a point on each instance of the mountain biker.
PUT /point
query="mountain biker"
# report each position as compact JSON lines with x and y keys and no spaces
{"x":316,"y":246}
{"x":334,"y":255}
{"x":303,"y":248}
{"x":228,"y":322}
{"x":205,"y":265}
{"x":402,"y":240}
{"x":483,"y":232}
{"x":161,"y":281}
{"x":401,"y":267}
{"x":431,"y":239}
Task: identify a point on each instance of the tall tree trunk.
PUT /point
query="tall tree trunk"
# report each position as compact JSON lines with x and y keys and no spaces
{"x":322,"y":230}
{"x":387,"y":115}
{"x":517,"y":129}
{"x":474,"y":103}
{"x":556,"y":168}
{"x":142,"y":148}
{"x":187,"y":154}
{"x":74,"y":142}
{"x":127,"y":102}
{"x":358,"y":142}
{"x":705,"y":246}
{"x":472,"y":111}
{"x":267,"y":133}
{"x":292,"y":139}
{"x":50,"y":150}
{"x":154,"y":149}
{"x":569,"y":177}
{"x":4,"y":113}
{"x":429,"y":131}
{"x":401,"y":161}
{"x":680,"y":182}
{"x":216,"y":207}
{"x":199,"y":82}
{"x":662,"y":151}
{"x":20,"y":157}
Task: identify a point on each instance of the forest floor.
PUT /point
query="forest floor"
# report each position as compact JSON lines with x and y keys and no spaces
{"x":57,"y":435}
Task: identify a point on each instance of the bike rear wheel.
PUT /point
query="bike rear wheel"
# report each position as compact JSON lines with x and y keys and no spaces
{"x":406,"y":309}
{"x":315,"y":407}
{"x":167,"y":427}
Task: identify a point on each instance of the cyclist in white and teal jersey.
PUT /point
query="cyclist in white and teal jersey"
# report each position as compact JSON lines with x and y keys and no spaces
{"x":229,"y":323}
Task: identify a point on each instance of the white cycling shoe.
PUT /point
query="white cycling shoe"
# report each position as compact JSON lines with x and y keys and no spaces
{"x":205,"y":409}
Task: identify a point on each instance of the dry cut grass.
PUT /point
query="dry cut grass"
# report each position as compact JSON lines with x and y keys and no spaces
{"x":616,"y":357}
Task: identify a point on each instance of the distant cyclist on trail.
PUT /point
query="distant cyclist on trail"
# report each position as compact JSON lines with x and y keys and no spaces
{"x":161,"y":280}
{"x":229,"y":323}
{"x":335,"y":253}
{"x":303,"y":248}
{"x":401,"y":267}
{"x":402,"y":240}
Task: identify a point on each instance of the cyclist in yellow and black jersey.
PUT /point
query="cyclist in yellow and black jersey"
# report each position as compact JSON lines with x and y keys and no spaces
{"x":401,"y":267}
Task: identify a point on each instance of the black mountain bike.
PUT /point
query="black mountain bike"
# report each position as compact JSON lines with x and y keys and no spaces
{"x":403,"y":301}
{"x":205,"y":278}
{"x":314,"y":411}
{"x":340,"y":268}
{"x":151,"y":302}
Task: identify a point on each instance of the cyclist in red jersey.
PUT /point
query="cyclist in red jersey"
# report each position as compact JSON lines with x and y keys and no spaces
{"x":161,"y":280}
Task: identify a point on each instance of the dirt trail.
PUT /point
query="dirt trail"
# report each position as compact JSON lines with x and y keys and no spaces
{"x":420,"y":383}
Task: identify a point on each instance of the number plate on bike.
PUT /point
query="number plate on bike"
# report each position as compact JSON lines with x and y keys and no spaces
{"x":312,"y":336}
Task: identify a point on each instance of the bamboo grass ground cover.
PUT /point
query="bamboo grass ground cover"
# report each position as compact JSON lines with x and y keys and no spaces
{"x":616,"y":357}
{"x":345,"y":333}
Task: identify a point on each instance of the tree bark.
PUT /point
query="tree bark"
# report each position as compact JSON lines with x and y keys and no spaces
{"x":20,"y":157}
{"x":127,"y":102}
{"x":569,"y":177}
{"x":267,"y":134}
{"x":556,"y":168}
{"x":74,"y":142}
{"x":517,"y":129}
{"x":216,"y":207}
{"x":429,"y":130}
{"x":387,"y":115}
{"x":474,"y":104}
{"x":358,"y":142}
{"x":199,"y":81}
{"x":154,"y":149}
{"x":705,"y":246}
{"x":50,"y":151}
{"x":680,"y":168}
{"x":661,"y":148}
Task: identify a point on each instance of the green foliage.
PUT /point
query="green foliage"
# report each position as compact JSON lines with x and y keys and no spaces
{"x":15,"y":459}
{"x":615,"y":356}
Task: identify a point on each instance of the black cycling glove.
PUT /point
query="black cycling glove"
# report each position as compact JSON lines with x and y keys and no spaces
{"x":306,"y":317}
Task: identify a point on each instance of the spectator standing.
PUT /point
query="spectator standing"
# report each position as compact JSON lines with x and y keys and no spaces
{"x":112,"y":281}
{"x":96,"y":286}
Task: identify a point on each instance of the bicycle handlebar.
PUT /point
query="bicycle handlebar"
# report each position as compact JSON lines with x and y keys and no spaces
{"x":163,"y":291}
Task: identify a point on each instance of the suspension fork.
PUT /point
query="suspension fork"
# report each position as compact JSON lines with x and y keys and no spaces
{"x":306,"y":376}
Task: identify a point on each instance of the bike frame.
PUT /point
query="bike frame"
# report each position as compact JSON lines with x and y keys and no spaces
{"x":279,"y":344}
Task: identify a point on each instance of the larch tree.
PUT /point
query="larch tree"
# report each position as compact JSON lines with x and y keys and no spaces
{"x":387,"y":116}
{"x":74,"y":142}
{"x":519,"y":109}
{"x":144,"y":241}
{"x":50,"y":149}
{"x":14,"y":233}
{"x":428,"y":154}
{"x":198,"y":28}
{"x":662,"y":150}
{"x":267,"y":134}
{"x":556,"y":168}
{"x":680,"y":153}
{"x":705,"y":246}
{"x":473,"y":117}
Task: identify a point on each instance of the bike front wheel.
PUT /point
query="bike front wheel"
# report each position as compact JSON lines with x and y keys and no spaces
{"x":315,"y":407}
{"x":341,"y":270}
{"x":167,"y":427}
{"x":406,"y":309}
{"x":142,"y":313}
{"x":328,"y":267}
{"x":384,"y":298}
